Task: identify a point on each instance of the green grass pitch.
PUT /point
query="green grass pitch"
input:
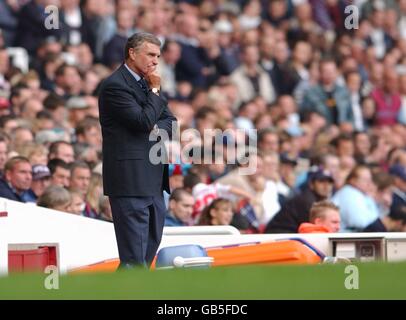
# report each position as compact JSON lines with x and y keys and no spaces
{"x":376,"y":281}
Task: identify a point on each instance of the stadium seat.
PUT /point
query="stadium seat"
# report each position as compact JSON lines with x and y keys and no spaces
{"x":189,"y":255}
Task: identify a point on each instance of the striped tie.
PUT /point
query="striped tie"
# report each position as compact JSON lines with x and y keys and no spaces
{"x":143,"y":84}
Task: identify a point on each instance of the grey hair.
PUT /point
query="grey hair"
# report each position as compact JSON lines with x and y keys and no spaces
{"x":54,"y":196}
{"x":137,"y":39}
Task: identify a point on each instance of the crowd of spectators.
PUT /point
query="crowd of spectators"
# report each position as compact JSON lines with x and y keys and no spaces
{"x":320,"y":90}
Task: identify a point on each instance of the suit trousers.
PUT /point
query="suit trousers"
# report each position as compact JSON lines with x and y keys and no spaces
{"x":138,"y":224}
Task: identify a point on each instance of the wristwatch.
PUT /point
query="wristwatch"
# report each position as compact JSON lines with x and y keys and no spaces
{"x":155,"y":90}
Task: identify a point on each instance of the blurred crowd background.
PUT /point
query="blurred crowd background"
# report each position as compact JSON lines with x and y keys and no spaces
{"x":319,"y":87}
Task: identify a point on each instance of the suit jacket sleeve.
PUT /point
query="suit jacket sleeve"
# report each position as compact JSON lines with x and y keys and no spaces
{"x":166,"y":120}
{"x":128,"y":112}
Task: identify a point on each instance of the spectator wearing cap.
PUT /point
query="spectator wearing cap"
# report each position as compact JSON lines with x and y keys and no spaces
{"x":398,"y":171}
{"x":357,"y":208}
{"x":296,"y":210}
{"x":17,"y":179}
{"x":48,"y":136}
{"x":180,"y":209}
{"x":41,"y":179}
{"x":78,"y":109}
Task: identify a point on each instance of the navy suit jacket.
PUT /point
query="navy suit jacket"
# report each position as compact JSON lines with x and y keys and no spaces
{"x":7,"y":192}
{"x":127,"y":116}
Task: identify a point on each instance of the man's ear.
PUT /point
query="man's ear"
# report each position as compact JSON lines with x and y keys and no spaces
{"x":132,"y":54}
{"x":318,"y":221}
{"x":171,"y":204}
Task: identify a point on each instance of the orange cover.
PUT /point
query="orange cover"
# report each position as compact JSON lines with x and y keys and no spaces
{"x":312,"y":228}
{"x":283,"y":252}
{"x":104,"y":266}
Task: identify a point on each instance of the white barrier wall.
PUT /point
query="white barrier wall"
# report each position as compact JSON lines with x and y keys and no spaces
{"x":83,"y":241}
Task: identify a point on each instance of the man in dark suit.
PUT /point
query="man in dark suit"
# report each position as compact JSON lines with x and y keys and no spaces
{"x":130,"y":109}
